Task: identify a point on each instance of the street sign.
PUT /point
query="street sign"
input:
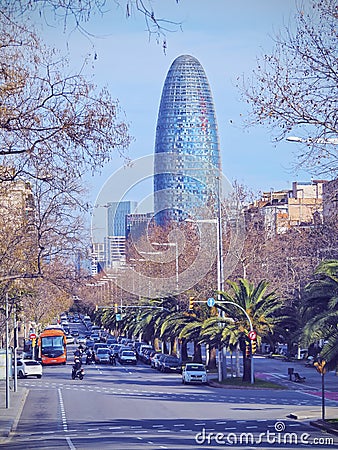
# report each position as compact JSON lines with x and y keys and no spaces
{"x":211,"y":302}
{"x":252,"y":335}
{"x":32,"y":336}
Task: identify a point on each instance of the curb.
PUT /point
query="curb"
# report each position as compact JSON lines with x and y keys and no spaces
{"x":14,"y":417}
{"x":19,"y":412}
{"x":324,"y":426}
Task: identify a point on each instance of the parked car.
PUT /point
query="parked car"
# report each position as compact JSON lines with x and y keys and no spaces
{"x":145,"y":356}
{"x":28,"y":367}
{"x":158,"y":362}
{"x":137,"y":346}
{"x":127,"y":357}
{"x":194,"y":373}
{"x":140,"y":349}
{"x":156,"y":359}
{"x":102,"y":356}
{"x":153,"y":358}
{"x":170,"y":364}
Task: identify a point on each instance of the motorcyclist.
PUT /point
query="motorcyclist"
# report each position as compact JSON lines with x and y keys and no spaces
{"x":77,"y":364}
{"x":81,"y":348}
{"x":77,"y":370}
{"x":77,"y":353}
{"x":113,"y":359}
{"x":89,"y":357}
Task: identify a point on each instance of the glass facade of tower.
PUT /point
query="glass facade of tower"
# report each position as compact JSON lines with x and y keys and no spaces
{"x":187,"y":153}
{"x":116,"y":217}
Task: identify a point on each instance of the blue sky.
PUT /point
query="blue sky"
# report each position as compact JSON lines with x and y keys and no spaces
{"x":226,"y":36}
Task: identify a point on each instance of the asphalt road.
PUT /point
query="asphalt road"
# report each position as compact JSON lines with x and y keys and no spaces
{"x":137,"y":407}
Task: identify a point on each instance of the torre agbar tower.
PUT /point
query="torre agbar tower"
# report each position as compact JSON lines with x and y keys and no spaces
{"x":187,"y":154}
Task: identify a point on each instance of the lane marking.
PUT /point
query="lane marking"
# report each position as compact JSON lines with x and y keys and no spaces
{"x":64,"y":421}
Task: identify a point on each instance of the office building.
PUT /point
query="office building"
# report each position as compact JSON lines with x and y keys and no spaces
{"x":187,"y":150}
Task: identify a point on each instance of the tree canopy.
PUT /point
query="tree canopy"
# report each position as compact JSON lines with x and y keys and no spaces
{"x":294,"y":89}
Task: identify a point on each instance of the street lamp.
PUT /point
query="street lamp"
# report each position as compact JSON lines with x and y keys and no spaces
{"x":134,"y":265}
{"x":333,"y":141}
{"x":220,"y":268}
{"x":251,"y":330}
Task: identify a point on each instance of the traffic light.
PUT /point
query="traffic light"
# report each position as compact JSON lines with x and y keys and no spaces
{"x":247,"y":350}
{"x":116,"y":308}
{"x":320,"y":366}
{"x":191,"y":303}
{"x":33,"y":342}
{"x":253,"y":346}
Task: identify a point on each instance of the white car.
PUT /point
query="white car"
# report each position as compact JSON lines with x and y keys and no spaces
{"x":70,"y":340}
{"x":194,"y":373}
{"x":127,"y":357}
{"x":28,"y":367}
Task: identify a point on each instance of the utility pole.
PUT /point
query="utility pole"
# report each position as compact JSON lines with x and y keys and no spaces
{"x":7,"y":355}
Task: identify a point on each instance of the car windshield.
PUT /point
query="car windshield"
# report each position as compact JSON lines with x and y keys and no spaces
{"x":103,"y":350}
{"x":195,"y":368}
{"x":128,"y":353}
{"x":32,"y":363}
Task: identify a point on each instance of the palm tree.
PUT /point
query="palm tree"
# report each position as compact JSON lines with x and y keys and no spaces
{"x":186,"y":326}
{"x":170,"y":329}
{"x":219,"y":332}
{"x":151,"y":317}
{"x":263,"y":309}
{"x":320,"y":311}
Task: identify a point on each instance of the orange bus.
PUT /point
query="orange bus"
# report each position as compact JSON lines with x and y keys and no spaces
{"x":52,"y":346}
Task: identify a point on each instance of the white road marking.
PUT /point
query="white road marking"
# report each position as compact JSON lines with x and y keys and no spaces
{"x":64,"y":421}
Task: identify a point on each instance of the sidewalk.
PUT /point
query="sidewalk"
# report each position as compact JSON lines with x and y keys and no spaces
{"x":9,"y":417}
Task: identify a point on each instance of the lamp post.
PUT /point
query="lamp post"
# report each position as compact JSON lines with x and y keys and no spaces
{"x":333,"y":141}
{"x":251,"y":330}
{"x":220,"y":271}
{"x":7,"y":355}
{"x":149,"y":253}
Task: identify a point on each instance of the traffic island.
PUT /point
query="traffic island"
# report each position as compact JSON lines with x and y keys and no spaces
{"x":238,"y":383}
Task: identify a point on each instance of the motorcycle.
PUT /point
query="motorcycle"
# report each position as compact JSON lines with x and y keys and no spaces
{"x":78,"y":373}
{"x":90,"y":358}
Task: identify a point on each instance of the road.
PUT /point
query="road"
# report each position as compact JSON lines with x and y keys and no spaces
{"x":137,"y":407}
